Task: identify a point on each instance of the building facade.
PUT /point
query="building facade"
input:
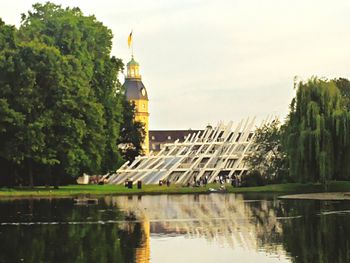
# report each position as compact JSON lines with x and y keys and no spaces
{"x":214,"y":153}
{"x":136,"y":93}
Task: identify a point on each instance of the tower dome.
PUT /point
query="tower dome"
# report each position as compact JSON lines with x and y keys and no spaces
{"x":133,"y":86}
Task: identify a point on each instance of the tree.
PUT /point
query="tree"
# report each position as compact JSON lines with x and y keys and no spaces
{"x":37,"y":87}
{"x":10,"y":119}
{"x":317,"y":132}
{"x":7,"y":36}
{"x":344,"y":88}
{"x":268,"y":159}
{"x":132,"y":133}
{"x":90,"y":83}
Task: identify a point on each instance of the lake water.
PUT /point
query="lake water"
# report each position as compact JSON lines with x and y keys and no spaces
{"x":175,"y":228}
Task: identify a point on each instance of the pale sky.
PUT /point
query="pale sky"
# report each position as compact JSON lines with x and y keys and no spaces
{"x":206,"y":61}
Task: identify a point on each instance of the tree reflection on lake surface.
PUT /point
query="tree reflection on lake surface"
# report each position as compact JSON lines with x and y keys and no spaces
{"x":175,"y":228}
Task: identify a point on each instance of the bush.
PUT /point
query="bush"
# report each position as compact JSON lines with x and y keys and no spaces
{"x":253,"y":178}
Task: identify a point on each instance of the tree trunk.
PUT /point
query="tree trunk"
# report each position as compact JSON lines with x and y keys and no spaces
{"x":30,"y":174}
{"x":56,"y":177}
{"x":57,"y":182}
{"x":15,"y":177}
{"x":48,"y":176}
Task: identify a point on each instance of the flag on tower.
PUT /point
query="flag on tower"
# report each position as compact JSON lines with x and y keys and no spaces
{"x":130,"y":39}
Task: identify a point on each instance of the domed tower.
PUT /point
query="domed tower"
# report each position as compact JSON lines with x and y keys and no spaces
{"x":136,"y":93}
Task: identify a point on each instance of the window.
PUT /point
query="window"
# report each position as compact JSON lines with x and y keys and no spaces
{"x":153,"y":146}
{"x":153,"y":138}
{"x":169,"y":137}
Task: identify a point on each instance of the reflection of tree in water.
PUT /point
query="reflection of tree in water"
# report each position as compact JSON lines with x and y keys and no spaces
{"x":265,"y":215}
{"x":322,"y":237}
{"x":65,"y":242}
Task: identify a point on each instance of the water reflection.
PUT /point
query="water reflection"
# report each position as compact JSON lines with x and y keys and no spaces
{"x":226,"y":220}
{"x":175,"y":228}
{"x":322,"y":234}
{"x":59,"y":231}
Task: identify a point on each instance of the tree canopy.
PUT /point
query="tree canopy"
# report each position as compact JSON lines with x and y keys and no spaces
{"x":317,"y":132}
{"x":132,"y":134}
{"x":268,"y":160}
{"x":61,"y":104}
{"x":313,"y":145}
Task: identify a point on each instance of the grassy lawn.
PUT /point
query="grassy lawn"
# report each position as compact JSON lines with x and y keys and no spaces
{"x":74,"y":190}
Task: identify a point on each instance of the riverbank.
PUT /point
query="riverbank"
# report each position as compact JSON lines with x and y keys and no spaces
{"x":98,"y":190}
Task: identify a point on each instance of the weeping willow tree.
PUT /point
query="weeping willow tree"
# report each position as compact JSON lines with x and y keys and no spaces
{"x":317,"y":133}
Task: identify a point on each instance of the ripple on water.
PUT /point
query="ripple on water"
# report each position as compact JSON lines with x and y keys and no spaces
{"x":100,"y":222}
{"x":334,"y":212}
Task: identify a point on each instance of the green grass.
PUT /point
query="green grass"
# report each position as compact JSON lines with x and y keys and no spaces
{"x":94,"y":190}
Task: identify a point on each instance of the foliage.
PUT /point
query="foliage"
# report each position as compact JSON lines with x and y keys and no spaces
{"x":317,"y":133}
{"x":344,"y":88}
{"x":89,"y":42}
{"x":314,"y":141}
{"x":268,"y":160}
{"x":132,"y":134}
{"x":253,"y":178}
{"x":61,"y":104}
{"x":35,"y":88}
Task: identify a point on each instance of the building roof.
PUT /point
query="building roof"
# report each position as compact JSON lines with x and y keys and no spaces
{"x":132,"y":62}
{"x":133,"y":89}
{"x":166,"y":136}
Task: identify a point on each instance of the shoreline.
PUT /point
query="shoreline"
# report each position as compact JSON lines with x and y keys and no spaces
{"x":103,"y":190}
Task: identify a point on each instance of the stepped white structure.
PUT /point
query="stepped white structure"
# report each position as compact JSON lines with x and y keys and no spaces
{"x":210,"y":154}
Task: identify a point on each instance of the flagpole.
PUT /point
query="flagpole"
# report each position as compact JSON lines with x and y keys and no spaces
{"x":132,"y":44}
{"x":132,"y":49}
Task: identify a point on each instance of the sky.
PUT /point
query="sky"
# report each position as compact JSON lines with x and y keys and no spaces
{"x":205,"y":61}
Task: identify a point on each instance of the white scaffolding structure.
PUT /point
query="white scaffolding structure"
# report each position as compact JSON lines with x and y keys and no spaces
{"x":210,"y":154}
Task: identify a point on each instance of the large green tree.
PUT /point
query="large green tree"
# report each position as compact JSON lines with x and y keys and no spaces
{"x":317,"y":132}
{"x":41,"y":90}
{"x":61,"y":104}
{"x":90,"y":43}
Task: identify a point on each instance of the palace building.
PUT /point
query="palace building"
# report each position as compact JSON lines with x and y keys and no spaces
{"x":136,"y":93}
